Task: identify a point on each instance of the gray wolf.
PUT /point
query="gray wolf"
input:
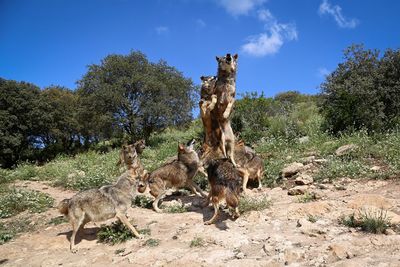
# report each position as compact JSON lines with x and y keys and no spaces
{"x":174,"y":174}
{"x":225,"y":89}
{"x":98,"y":205}
{"x":225,"y":184}
{"x":207,"y":104}
{"x":129,"y":157}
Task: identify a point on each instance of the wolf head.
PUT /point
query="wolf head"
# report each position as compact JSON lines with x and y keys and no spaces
{"x":186,"y":153}
{"x":227,"y":63}
{"x":128,"y":154}
{"x":208,"y":84}
{"x":140,"y":146}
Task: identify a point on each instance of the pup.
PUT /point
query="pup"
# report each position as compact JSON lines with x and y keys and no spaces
{"x":225,"y":89}
{"x":225,"y":184}
{"x":251,"y":165}
{"x":207,"y":104}
{"x":175,"y":174}
{"x":98,"y":205}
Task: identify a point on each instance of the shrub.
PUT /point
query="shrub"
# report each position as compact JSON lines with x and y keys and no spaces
{"x":143,"y":201}
{"x":247,"y":204}
{"x":197,"y":242}
{"x":372,"y":222}
{"x":176,"y":208}
{"x":115,"y":233}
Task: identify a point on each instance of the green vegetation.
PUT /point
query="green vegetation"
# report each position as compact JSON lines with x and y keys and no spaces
{"x":253,"y":203}
{"x":371,"y":222}
{"x":307,"y":197}
{"x":176,"y":208}
{"x":14,"y":201}
{"x":12,"y":228}
{"x":115,"y":233}
{"x":58,"y":220}
{"x":143,"y":201}
{"x":151,"y":242}
{"x":197,"y":242}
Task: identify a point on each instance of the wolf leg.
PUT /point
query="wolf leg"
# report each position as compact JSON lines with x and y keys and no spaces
{"x":76,"y":224}
{"x":216,"y":212}
{"x":196,"y":189}
{"x":259,"y":177}
{"x":202,"y":171}
{"x":125,"y":221}
{"x":245,"y":180}
{"x":207,"y":201}
{"x":223,"y":143}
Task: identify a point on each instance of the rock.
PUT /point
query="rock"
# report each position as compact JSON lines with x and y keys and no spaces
{"x":297,"y":190}
{"x":375,"y":168}
{"x":269,"y":249}
{"x":292,"y":169}
{"x":304,"y":139}
{"x":340,"y":251}
{"x":390,"y":232}
{"x":308,"y":160}
{"x":310,"y":229}
{"x":304,"y":179}
{"x":240,"y":255}
{"x":346,"y":149}
{"x":320,"y":161}
{"x":371,"y":200}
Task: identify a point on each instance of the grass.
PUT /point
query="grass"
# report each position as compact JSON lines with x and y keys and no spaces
{"x":175,"y":208}
{"x":143,"y":201}
{"x":57,"y":220}
{"x":247,"y":204}
{"x":14,"y":201}
{"x":151,"y":242}
{"x":115,"y":233}
{"x":312,"y":218}
{"x":307,"y":197}
{"x":13,"y":228}
{"x":375,"y":222}
{"x":197,"y":242}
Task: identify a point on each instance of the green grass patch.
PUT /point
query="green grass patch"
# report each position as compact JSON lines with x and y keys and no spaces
{"x":143,"y":201}
{"x":375,"y":222}
{"x":197,"y":242}
{"x":15,"y":201}
{"x":13,"y":228}
{"x":151,"y":242}
{"x":57,"y":220}
{"x":115,"y":233}
{"x":175,"y":208}
{"x":307,"y":197}
{"x":247,"y":204}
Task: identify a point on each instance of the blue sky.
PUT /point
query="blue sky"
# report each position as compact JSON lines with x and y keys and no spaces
{"x":282,"y":44}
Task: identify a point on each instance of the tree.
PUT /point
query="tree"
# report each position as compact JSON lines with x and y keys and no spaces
{"x":130,"y":95}
{"x":351,"y":98}
{"x":20,"y":120}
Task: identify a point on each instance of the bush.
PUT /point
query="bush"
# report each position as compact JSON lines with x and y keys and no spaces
{"x":143,"y":201}
{"x":197,"y":242}
{"x":369,"y":221}
{"x":363,"y":92}
{"x":115,"y":233}
{"x":253,"y":203}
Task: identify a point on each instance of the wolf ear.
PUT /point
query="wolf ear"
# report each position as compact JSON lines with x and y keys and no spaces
{"x":202,"y":78}
{"x":124,"y":146}
{"x":218,"y":58}
{"x":181,"y":147}
{"x":235,"y":56}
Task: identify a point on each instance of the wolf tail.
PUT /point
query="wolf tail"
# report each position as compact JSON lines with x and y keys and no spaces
{"x":63,"y":206}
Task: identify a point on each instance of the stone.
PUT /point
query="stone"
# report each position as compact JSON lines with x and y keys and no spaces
{"x":304,"y":179}
{"x":346,"y":149}
{"x":310,"y":229}
{"x":308,"y":160}
{"x":292,"y":169}
{"x":375,"y":168}
{"x":304,"y":139}
{"x":390,"y":232}
{"x":297,"y":190}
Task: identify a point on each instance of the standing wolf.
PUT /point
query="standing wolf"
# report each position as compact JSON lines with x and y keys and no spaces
{"x":101,"y":204}
{"x":175,"y":174}
{"x":207,"y":104}
{"x":225,"y":89}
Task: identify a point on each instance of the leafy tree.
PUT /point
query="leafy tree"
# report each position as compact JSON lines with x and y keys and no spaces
{"x":20,"y":120}
{"x":132,"y":96}
{"x":351,"y":99}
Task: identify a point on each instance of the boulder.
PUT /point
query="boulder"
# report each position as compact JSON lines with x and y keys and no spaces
{"x":346,"y":149}
{"x":297,"y":190}
{"x":292,"y":169}
{"x":304,"y":179}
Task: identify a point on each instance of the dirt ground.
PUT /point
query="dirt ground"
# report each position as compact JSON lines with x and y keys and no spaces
{"x":278,"y":236}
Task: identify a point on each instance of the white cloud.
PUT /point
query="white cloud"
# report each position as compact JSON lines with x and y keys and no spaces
{"x":270,"y":42}
{"x":323,"y":72}
{"x":240,"y":7}
{"x":162,"y":30}
{"x":336,"y":12}
{"x":200,"y":23}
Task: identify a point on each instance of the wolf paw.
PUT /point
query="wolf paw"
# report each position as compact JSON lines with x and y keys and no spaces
{"x":74,"y":250}
{"x":208,"y":222}
{"x":226,"y":115}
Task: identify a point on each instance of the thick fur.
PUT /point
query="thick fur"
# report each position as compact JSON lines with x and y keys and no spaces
{"x":176,"y":174}
{"x":225,"y":184}
{"x":225,"y":89}
{"x":99,"y":205}
{"x":207,"y":104}
{"x":129,"y":157}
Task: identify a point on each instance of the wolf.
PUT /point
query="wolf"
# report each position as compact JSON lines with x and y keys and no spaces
{"x":129,"y":157}
{"x":174,"y":174}
{"x":207,"y":104}
{"x":100,"y":204}
{"x":251,"y":165}
{"x":225,"y":184}
{"x":225,"y":89}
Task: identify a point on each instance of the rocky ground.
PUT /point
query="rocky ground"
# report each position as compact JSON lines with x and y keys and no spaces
{"x":288,"y":233}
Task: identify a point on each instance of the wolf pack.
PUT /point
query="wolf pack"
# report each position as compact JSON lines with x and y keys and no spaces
{"x":227,"y":163}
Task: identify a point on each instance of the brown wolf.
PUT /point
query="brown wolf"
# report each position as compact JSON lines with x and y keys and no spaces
{"x":129,"y":157}
{"x":225,"y":183}
{"x":207,"y":104}
{"x":251,"y":165}
{"x":176,"y":174}
{"x":99,"y":205}
{"x":225,"y":88}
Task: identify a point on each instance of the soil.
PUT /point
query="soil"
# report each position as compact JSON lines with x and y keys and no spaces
{"x":282,"y":235}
